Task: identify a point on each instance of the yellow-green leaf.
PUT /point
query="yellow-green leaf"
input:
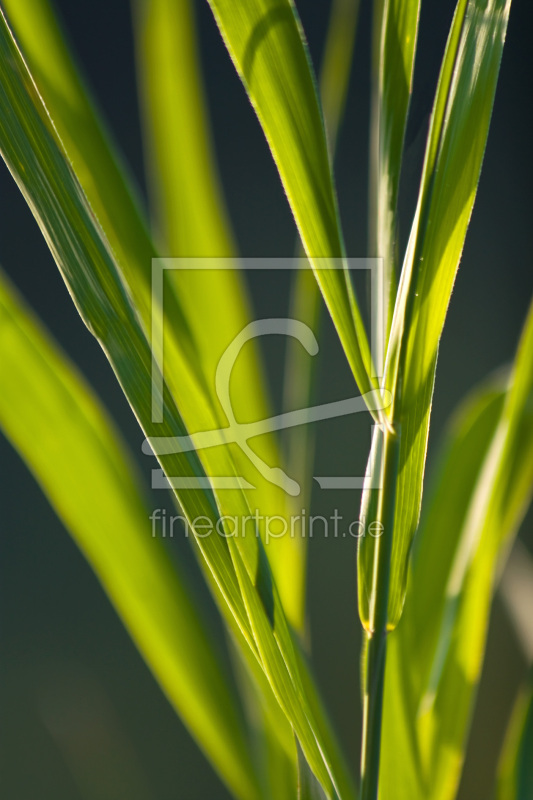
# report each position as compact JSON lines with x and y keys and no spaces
{"x":305,"y":305}
{"x":238,"y":566}
{"x":61,"y":431}
{"x":191,"y":222}
{"x":454,"y":153}
{"x":395,"y":32}
{"x":435,"y":655}
{"x":515,"y":775}
{"x":265,"y":42}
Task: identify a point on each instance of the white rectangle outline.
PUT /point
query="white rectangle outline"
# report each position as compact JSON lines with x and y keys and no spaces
{"x":377,"y":322}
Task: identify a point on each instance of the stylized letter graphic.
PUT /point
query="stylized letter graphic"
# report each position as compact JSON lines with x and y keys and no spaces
{"x":241,"y":433}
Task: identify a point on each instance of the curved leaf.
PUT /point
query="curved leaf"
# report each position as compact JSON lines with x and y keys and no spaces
{"x":394,"y":45}
{"x":265,"y":42}
{"x":61,"y":431}
{"x":190,"y":350}
{"x":299,"y":379}
{"x":239,"y":565}
{"x":515,"y":778}
{"x":192,"y":224}
{"x":454,"y":153}
{"x":434,"y":660}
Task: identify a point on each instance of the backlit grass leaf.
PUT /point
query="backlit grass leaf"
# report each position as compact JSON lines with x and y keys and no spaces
{"x":59,"y":428}
{"x":106,"y":185}
{"x":191,"y":223}
{"x":265,"y":42}
{"x":189,"y":213}
{"x":394,"y":46}
{"x":515,"y":776}
{"x":300,"y":376}
{"x":239,"y":565}
{"x":89,"y":146}
{"x":31,"y":151}
{"x":412,"y":646}
{"x":454,"y":153}
{"x":191,"y":351}
{"x":434,"y":661}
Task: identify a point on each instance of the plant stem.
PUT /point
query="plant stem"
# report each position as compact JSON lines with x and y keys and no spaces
{"x":377,"y":637}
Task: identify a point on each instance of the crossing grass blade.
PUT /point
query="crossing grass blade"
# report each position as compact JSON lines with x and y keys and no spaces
{"x":305,"y":304}
{"x":336,"y":65}
{"x":515,"y":775}
{"x":272,"y":735}
{"x":68,"y":107}
{"x":239,"y":567}
{"x":407,"y":673}
{"x":60,"y":430}
{"x":395,"y":33}
{"x":91,"y":151}
{"x":484,"y":488}
{"x":31,"y":150}
{"x":189,"y":214}
{"x":189,"y":345}
{"x":192,"y":223}
{"x":265,"y":42}
{"x":454,"y":152}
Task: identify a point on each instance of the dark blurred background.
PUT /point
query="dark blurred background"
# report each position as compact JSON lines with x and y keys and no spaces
{"x":81,"y":715}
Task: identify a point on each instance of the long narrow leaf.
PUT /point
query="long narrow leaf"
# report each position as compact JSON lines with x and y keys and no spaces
{"x":394,"y":46}
{"x":85,"y":138}
{"x":190,"y":217}
{"x":239,"y":566}
{"x":454,"y":153}
{"x":191,"y":220}
{"x":31,"y":151}
{"x":265,"y":42}
{"x":300,"y":374}
{"x":189,"y":351}
{"x":515,"y":777}
{"x":61,"y":431}
{"x":488,"y":471}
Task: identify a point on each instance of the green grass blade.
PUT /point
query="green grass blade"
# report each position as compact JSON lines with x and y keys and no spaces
{"x":469,"y":442}
{"x":413,"y":645}
{"x":336,"y":65}
{"x":189,"y":350}
{"x":31,"y":151}
{"x":484,"y":488}
{"x":192,"y":222}
{"x":300,"y":374}
{"x":506,"y":488}
{"x":454,"y":153}
{"x":515,"y":776}
{"x":190,"y":217}
{"x":238,"y":566}
{"x":287,"y":675}
{"x":265,"y":43}
{"x":87,"y":142}
{"x":272,"y":734}
{"x":394,"y":45}
{"x":99,"y":168}
{"x":61,"y":431}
